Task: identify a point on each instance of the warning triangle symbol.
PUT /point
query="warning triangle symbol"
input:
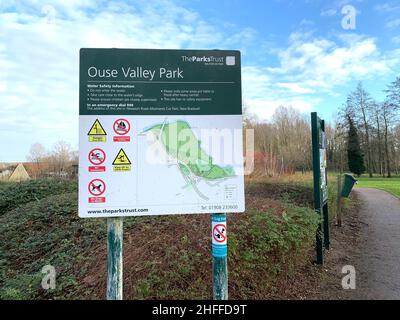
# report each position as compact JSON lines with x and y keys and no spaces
{"x":121,"y":158}
{"x":97,"y":129}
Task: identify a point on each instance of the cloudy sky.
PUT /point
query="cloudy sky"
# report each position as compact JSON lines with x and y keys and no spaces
{"x":293,"y":53}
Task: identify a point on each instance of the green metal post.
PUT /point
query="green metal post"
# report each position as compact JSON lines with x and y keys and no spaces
{"x":315,"y":130}
{"x":339,"y":201}
{"x":220,"y":256}
{"x":326,"y":226}
{"x":114,"y":258}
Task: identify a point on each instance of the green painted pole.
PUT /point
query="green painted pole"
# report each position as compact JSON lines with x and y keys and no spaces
{"x":327,"y":240}
{"x":114,"y":258}
{"x":220,"y":256}
{"x":339,"y":201}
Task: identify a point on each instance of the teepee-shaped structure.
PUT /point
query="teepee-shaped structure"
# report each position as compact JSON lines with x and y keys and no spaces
{"x":19,"y":174}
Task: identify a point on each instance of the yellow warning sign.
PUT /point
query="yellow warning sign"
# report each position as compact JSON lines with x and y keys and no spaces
{"x":122,"y":162}
{"x":97,"y":132}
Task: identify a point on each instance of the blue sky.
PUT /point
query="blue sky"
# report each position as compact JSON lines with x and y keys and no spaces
{"x":293,"y":53}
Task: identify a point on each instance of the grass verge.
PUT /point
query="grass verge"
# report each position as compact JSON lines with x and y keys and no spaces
{"x":391,"y":185}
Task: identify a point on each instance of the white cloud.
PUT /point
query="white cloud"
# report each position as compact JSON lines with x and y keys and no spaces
{"x":387,"y":7}
{"x":39,"y":55}
{"x":318,"y":63}
{"x":39,"y":50}
{"x":262,"y":94}
{"x":307,"y":23}
{"x":328,"y":12}
{"x":394,"y":23}
{"x":310,"y":68}
{"x":294,"y":87}
{"x":396,"y":40}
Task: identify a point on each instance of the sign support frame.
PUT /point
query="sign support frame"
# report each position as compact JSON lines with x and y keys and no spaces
{"x":114,"y":258}
{"x":321,"y":206}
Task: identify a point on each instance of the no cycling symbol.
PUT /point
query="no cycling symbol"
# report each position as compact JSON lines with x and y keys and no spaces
{"x":219,"y":233}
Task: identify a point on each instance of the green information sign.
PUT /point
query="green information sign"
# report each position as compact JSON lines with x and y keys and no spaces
{"x":160,"y":132}
{"x":320,"y":183}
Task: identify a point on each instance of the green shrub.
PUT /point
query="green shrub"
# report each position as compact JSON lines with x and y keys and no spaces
{"x":44,"y":232}
{"x":21,"y":287}
{"x":267,"y":247}
{"x":14,"y":194}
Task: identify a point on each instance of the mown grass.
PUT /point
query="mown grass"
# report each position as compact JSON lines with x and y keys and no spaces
{"x":391,"y":185}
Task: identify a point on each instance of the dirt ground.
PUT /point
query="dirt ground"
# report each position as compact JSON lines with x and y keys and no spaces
{"x":377,"y":261}
{"x":369,"y":241}
{"x":324,"y":282}
{"x":345,"y":246}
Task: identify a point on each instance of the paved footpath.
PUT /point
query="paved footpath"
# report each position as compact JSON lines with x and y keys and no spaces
{"x":377,"y":263}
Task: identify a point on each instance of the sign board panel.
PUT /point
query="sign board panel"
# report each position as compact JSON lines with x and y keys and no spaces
{"x":169,"y":127}
{"x":319,"y":161}
{"x":323,"y":167}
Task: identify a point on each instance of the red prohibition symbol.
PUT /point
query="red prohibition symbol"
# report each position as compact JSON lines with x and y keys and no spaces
{"x":219,"y":233}
{"x":121,"y":126}
{"x":97,"y":156}
{"x":96,"y":187}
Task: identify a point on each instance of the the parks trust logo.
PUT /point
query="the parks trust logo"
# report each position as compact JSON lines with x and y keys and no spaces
{"x":210,"y":60}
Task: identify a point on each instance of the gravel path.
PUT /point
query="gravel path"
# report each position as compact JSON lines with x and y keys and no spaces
{"x":377,"y":262}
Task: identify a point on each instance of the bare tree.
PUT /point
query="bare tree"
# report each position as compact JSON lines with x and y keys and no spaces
{"x":359,"y":104}
{"x":393,"y":93}
{"x":37,"y":155}
{"x":377,"y":110}
{"x":390,"y":114}
{"x":61,"y":157}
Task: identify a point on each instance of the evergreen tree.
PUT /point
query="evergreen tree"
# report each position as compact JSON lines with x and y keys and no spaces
{"x":354,"y":155}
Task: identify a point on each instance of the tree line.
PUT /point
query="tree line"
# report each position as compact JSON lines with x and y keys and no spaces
{"x":57,"y":162}
{"x":372,"y":125}
{"x":364,"y":137}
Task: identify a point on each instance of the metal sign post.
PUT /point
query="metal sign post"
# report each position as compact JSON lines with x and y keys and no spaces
{"x":114,"y":258}
{"x":320,"y":184}
{"x":220,"y":256}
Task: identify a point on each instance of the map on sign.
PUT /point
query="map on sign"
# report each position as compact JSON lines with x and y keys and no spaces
{"x":188,"y":156}
{"x":175,"y":121}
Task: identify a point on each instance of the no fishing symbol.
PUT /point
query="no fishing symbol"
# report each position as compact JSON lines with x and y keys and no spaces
{"x":121,"y":127}
{"x":219,"y":233}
